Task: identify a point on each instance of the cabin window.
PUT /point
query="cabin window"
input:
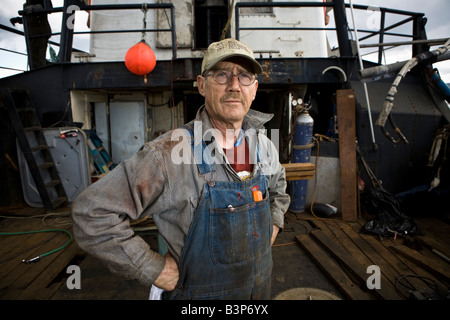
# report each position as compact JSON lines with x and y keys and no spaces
{"x":210,"y":19}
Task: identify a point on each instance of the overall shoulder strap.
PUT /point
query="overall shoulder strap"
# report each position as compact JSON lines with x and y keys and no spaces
{"x":201,"y":156}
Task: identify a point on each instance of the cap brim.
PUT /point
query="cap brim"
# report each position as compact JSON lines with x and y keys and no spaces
{"x":257,"y":69}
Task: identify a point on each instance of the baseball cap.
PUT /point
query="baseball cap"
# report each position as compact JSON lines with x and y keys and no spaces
{"x":227,"y":48}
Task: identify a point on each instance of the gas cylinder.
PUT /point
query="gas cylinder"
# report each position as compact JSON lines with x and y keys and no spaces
{"x":302,"y":153}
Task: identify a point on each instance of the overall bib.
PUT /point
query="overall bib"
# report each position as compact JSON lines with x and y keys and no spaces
{"x":227,"y":253}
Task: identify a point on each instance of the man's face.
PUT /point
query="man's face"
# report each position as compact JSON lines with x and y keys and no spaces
{"x":229,"y":102}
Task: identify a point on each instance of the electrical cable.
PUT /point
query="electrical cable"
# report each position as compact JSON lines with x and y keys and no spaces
{"x":37,"y":258}
{"x":61,"y":218}
{"x":24,"y":251}
{"x":417,"y":292}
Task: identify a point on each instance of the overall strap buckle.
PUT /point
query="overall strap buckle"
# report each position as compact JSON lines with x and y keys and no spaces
{"x":210,"y":182}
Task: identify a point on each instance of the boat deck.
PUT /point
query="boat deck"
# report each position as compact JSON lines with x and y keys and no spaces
{"x":311,"y":254}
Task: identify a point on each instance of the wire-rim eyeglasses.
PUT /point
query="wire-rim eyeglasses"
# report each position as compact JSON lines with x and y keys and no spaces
{"x":224,"y":77}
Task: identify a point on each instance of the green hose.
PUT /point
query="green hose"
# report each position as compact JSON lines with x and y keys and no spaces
{"x":37,"y":258}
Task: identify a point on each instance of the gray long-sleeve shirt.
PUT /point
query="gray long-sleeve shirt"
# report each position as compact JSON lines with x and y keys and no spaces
{"x":162,"y":181}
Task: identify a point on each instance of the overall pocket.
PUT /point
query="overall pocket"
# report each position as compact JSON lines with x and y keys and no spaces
{"x":239,"y":235}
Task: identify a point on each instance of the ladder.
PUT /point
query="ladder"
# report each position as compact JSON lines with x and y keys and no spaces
{"x":36,"y":152}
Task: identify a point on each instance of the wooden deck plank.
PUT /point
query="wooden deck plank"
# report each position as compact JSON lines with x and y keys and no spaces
{"x":325,"y":226}
{"x":332,"y":269}
{"x":401,"y":272}
{"x":322,"y":225}
{"x":35,"y":269}
{"x":42,"y":287}
{"x":24,"y":274}
{"x":29,"y":246}
{"x":11,"y":248}
{"x":389,"y":275}
{"x":437,"y":267}
{"x":397,"y":264}
{"x":386,"y":292}
{"x":347,"y":242}
{"x":436,"y":233}
{"x":351,"y":240}
{"x":17,"y":277}
{"x":392,"y":266}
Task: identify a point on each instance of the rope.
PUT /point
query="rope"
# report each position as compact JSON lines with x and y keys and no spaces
{"x":302,"y":147}
{"x":227,"y":25}
{"x":144,"y":20}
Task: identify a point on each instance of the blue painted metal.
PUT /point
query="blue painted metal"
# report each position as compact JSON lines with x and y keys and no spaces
{"x":302,"y":153}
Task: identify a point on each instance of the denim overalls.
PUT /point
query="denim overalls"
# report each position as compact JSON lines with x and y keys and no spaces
{"x":227,"y":253}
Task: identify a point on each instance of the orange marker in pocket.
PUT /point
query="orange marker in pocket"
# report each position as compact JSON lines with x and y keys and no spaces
{"x":257,"y":195}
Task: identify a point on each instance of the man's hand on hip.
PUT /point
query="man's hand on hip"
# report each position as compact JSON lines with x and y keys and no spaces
{"x":168,"y":278}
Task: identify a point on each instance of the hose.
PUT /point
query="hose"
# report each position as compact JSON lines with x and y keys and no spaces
{"x":37,"y":258}
{"x":439,"y":84}
{"x":397,"y":130}
{"x":389,"y":100}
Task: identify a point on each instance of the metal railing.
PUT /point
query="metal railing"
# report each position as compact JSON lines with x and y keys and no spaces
{"x":67,"y":31}
{"x":342,"y":28}
{"x":143,"y":6}
{"x":10,"y":51}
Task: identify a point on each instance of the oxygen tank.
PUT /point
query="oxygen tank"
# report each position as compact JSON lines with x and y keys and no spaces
{"x":302,"y":153}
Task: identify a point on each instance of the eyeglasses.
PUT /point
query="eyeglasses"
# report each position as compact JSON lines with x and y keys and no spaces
{"x":224,"y":77}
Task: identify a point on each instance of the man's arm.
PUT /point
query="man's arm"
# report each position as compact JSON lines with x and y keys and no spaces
{"x":101,"y":217}
{"x":274,"y":234}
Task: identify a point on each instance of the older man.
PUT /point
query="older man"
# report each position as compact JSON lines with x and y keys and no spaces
{"x":214,"y":188}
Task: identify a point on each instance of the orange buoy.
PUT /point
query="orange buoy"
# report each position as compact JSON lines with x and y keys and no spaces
{"x":140,"y":59}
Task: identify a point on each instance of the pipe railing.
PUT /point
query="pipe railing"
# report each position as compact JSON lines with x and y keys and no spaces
{"x":66,"y":33}
{"x":341,"y":25}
